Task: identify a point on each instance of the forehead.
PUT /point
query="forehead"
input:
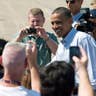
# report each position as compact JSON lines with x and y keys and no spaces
{"x":57,"y":16}
{"x":38,"y":16}
{"x":78,"y":1}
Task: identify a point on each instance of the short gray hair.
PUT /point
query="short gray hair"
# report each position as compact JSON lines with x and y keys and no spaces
{"x":14,"y":53}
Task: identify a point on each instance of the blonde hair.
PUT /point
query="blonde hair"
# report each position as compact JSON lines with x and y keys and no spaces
{"x":36,"y":11}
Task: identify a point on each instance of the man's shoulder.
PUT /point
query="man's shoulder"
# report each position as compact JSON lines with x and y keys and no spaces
{"x":17,"y":90}
{"x":34,"y":93}
{"x":82,"y":34}
{"x":29,"y":92}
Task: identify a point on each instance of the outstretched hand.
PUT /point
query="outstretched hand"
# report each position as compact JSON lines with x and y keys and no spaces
{"x":31,"y":52}
{"x":81,"y":63}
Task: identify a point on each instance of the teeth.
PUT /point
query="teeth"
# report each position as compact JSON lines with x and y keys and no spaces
{"x":57,"y":31}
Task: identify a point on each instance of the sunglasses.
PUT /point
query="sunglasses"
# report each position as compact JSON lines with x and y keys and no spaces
{"x":71,"y":1}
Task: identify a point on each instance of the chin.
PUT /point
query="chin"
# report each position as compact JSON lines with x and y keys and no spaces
{"x":59,"y":36}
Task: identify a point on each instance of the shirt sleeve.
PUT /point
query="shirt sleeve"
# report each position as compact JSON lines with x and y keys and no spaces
{"x":89,"y":44}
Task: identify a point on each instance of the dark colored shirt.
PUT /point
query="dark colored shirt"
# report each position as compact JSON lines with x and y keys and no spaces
{"x":44,"y":52}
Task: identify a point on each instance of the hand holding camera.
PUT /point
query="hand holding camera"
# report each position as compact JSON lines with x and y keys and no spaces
{"x":30,"y":31}
{"x":85,"y":24}
{"x":78,"y":57}
{"x":74,"y":51}
{"x":81,"y":63}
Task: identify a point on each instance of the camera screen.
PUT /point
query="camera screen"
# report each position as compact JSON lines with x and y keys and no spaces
{"x":31,"y":31}
{"x":74,"y":51}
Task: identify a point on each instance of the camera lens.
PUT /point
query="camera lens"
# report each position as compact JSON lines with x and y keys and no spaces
{"x":31,"y":31}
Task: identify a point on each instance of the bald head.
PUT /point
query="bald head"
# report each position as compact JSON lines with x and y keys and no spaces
{"x":13,"y":55}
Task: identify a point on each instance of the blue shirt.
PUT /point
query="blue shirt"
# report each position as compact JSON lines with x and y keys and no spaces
{"x":17,"y":91}
{"x":93,"y":13}
{"x":78,"y":38}
{"x":76,"y":19}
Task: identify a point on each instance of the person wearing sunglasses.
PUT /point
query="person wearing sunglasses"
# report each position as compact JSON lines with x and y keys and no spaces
{"x":74,"y":6}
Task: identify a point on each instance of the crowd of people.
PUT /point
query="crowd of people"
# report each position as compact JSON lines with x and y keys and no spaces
{"x":37,"y":63}
{"x":43,"y":39}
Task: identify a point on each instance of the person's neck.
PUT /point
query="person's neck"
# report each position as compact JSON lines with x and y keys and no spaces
{"x":75,"y":13}
{"x":10,"y":82}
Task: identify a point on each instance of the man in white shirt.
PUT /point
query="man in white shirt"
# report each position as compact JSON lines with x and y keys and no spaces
{"x":14,"y":59}
{"x":74,"y":6}
{"x":61,"y":21}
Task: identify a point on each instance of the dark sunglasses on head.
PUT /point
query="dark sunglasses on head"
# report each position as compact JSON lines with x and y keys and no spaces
{"x":71,"y":1}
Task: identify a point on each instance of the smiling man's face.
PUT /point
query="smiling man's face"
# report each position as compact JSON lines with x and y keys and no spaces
{"x":60,"y":25}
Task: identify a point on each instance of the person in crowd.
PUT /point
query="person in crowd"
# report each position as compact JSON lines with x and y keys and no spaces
{"x":16,"y":56}
{"x":93,"y":14}
{"x":46,"y":41}
{"x":74,"y":6}
{"x":82,"y":17}
{"x":61,"y":20}
{"x":1,"y":68}
{"x":93,"y":6}
{"x":2,"y":44}
{"x":57,"y":79}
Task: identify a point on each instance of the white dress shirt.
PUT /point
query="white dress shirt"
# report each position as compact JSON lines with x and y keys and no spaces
{"x":76,"y":38}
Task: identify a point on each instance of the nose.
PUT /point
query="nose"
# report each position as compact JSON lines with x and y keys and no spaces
{"x":68,"y":3}
{"x":36,"y":23}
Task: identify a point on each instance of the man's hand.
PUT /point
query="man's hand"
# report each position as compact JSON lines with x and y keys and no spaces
{"x":21,"y":35}
{"x":81,"y":68}
{"x":81,"y":63}
{"x":31,"y":52}
{"x":41,"y":32}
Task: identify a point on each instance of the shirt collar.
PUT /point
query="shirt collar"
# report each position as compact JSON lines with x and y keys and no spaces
{"x":77,"y":16}
{"x":68,"y":39}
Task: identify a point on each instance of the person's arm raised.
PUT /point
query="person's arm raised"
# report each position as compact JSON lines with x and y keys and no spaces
{"x":51,"y":43}
{"x":85,"y":88}
{"x":31,"y":52}
{"x":21,"y":35}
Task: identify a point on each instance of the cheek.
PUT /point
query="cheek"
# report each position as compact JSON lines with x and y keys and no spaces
{"x":41,"y":24}
{"x":52,"y":27}
{"x":30,"y":23}
{"x":64,"y":28}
